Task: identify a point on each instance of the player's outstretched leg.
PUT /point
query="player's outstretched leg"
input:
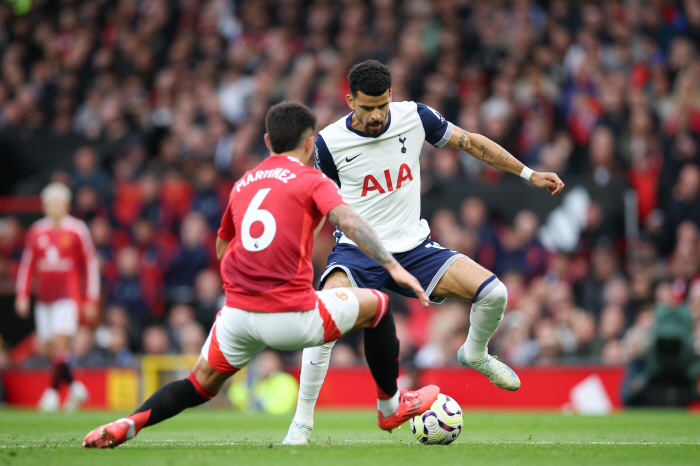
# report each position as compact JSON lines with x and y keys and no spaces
{"x":170,"y":400}
{"x":488,"y":307}
{"x":314,"y":366}
{"x":394,"y":406}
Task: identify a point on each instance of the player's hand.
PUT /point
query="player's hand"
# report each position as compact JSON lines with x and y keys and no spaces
{"x":91,"y":312}
{"x":408,"y":281}
{"x":22,"y":306}
{"x":547,"y":180}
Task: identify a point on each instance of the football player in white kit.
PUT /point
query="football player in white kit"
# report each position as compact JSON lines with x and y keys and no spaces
{"x":373,"y":155}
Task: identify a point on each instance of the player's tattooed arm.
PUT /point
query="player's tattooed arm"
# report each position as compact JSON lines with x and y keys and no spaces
{"x":484,"y":149}
{"x":357,"y":229}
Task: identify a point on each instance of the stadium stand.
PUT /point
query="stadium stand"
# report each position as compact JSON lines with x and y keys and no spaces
{"x":155,"y":107}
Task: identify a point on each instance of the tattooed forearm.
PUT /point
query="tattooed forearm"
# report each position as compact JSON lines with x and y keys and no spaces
{"x":486,"y":150}
{"x":486,"y":155}
{"x":463,"y":141}
{"x":357,"y":229}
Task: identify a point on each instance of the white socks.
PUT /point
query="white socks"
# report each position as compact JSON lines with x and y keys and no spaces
{"x":487,"y":313}
{"x":314,"y":366}
{"x":389,"y":407}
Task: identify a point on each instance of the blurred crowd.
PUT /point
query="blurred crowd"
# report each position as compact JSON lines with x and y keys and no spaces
{"x":599,"y":91}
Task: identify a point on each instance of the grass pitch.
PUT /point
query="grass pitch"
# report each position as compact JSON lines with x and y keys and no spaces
{"x":210,"y":437}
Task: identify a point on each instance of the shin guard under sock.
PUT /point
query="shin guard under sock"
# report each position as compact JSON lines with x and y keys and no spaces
{"x":382,"y":354}
{"x":313,"y":372}
{"x":488,"y":308}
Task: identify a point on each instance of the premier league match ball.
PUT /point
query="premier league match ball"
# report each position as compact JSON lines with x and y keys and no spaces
{"x":441,"y":424}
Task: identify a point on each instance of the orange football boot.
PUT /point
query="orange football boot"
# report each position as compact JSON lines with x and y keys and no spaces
{"x":109,"y":435}
{"x":411,"y":403}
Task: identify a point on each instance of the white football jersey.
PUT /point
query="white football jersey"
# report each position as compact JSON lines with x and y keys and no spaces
{"x":380,"y":177}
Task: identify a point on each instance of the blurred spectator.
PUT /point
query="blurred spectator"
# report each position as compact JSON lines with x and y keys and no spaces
{"x":116,"y":317}
{"x":118,"y":347}
{"x":206,"y":198}
{"x":209,"y":298}
{"x":192,"y":257}
{"x":87,"y":171}
{"x":346,"y":357}
{"x":521,"y":249}
{"x":684,"y":204}
{"x":604,"y":266}
{"x":191,"y":339}
{"x":474,"y":217}
{"x":448,"y":326}
{"x":11,"y":239}
{"x":88,"y":204}
{"x":602,"y":157}
{"x":85,"y":351}
{"x":180,"y":316}
{"x":155,"y":340}
{"x":267,"y":388}
{"x":132,"y":290}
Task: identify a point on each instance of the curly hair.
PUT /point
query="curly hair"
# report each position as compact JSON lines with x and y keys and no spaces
{"x":371,"y":77}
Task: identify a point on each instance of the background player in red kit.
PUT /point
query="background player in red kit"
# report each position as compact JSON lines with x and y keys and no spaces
{"x":265,"y":243}
{"x":59,"y":252}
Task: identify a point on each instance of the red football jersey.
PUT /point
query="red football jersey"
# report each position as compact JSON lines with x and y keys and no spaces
{"x":270,"y":220}
{"x":60,"y":255}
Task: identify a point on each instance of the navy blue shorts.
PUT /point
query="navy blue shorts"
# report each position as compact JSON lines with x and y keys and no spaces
{"x":428,"y":262}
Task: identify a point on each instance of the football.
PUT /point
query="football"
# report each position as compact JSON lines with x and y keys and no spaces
{"x":441,"y":424}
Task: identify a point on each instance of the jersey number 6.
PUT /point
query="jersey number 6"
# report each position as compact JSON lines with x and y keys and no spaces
{"x":254,"y":214}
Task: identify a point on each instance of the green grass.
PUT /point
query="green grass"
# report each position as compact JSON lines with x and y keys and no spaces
{"x":217,"y":438}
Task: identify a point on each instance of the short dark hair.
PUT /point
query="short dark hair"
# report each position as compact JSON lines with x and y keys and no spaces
{"x":286,"y":124}
{"x":371,"y":77}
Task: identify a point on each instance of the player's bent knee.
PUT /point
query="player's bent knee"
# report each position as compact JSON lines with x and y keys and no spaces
{"x":373,"y":307}
{"x":207,"y":377}
{"x":496,"y":298}
{"x":500,"y":294}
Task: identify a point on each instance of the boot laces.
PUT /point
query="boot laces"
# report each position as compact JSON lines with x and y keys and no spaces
{"x":409,"y":396}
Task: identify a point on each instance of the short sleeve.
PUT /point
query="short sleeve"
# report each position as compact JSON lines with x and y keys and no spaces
{"x":437,"y":129}
{"x":324,"y":160}
{"x":326,"y":195}
{"x":227,"y":230}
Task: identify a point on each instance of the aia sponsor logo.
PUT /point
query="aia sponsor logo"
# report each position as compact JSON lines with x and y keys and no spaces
{"x":372,"y":184}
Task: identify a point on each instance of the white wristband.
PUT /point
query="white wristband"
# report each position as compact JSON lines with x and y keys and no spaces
{"x":526,"y":173}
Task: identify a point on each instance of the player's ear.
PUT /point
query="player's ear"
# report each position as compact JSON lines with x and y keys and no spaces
{"x":351,"y":101}
{"x":389,"y":94}
{"x":267,"y":141}
{"x":309,"y":144}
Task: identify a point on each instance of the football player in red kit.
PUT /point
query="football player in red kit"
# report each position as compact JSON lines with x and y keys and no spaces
{"x":265,"y":243}
{"x":58,"y":252}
